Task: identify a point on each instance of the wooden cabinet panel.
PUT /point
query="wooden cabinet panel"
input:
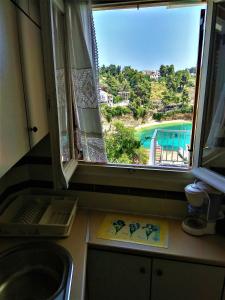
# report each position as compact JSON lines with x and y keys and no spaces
{"x":118,"y":276}
{"x":14,"y":141}
{"x":24,"y":5}
{"x":34,"y":10}
{"x":33,"y":77}
{"x":185,"y":281}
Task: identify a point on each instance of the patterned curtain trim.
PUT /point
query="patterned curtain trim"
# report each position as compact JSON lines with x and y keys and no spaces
{"x":61,"y":86}
{"x":84,"y":88}
{"x":93,"y":148}
{"x":85,"y":81}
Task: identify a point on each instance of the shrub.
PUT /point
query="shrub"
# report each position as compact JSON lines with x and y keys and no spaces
{"x":157,"y":116}
{"x":117,"y":111}
{"x":122,"y":146}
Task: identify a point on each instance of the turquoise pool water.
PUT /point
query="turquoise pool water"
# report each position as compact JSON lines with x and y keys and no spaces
{"x":169,"y":140}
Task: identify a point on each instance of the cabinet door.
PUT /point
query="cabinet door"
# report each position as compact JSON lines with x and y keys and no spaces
{"x":24,"y":5}
{"x":115,"y":276}
{"x":185,"y":281}
{"x":33,"y":77}
{"x":14,"y":141}
{"x":34,"y":8}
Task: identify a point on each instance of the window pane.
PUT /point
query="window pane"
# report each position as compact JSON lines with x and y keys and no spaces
{"x":214,"y":134}
{"x":148,"y":59}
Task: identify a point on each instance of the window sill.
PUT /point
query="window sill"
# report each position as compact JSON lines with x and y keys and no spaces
{"x":130,"y":176}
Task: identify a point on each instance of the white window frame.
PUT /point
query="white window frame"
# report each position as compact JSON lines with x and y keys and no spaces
{"x":138,"y":172}
{"x":62,"y":173}
{"x":126,"y":175}
{"x":128,"y":4}
{"x":210,"y":177}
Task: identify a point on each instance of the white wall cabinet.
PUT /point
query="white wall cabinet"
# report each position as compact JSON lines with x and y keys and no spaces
{"x":31,"y":8}
{"x":34,"y":11}
{"x":14,"y":142}
{"x":33,"y":78}
{"x":185,"y":281}
{"x":22,"y":85}
{"x":24,"y":5}
{"x":112,"y":275}
{"x":118,"y":276}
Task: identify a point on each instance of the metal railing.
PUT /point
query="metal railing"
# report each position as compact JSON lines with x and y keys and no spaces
{"x":170,"y":147}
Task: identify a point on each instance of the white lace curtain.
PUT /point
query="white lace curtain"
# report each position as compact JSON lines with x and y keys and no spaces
{"x":84,"y":73}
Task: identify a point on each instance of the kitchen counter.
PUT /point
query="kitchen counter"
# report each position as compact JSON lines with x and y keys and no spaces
{"x":206,"y":250}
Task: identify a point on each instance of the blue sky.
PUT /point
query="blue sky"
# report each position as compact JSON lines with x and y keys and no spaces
{"x":148,"y":37}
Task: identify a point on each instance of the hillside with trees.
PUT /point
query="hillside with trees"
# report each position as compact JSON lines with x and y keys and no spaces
{"x":169,"y":97}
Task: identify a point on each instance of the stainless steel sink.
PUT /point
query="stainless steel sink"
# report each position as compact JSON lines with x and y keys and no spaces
{"x":35,"y":271}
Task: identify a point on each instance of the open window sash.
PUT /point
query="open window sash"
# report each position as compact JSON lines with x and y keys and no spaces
{"x":58,"y":86}
{"x":211,"y":107}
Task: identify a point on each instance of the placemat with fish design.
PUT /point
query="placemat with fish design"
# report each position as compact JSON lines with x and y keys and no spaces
{"x":135,"y":229}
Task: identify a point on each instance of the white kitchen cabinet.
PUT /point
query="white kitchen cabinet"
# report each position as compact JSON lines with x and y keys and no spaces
{"x":33,"y":78}
{"x":116,"y":276}
{"x":34,"y":11}
{"x":24,"y":5}
{"x":112,"y":275}
{"x":14,"y":142}
{"x":185,"y":281}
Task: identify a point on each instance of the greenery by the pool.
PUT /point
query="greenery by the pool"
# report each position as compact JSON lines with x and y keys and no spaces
{"x":169,"y":140}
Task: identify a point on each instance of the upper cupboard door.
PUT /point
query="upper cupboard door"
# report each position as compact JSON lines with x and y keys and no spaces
{"x":33,"y":77}
{"x":53,"y":20}
{"x":14,"y":142}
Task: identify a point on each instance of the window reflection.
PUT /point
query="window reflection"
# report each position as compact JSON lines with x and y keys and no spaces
{"x":214,"y":126}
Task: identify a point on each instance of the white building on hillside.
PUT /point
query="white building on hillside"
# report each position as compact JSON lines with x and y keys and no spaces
{"x":124,"y":95}
{"x":105,"y":98}
{"x":152,"y":74}
{"x":122,"y":103}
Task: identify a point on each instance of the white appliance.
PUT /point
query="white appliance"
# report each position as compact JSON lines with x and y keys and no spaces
{"x":204,"y":209}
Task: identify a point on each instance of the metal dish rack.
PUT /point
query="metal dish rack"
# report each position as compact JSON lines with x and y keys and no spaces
{"x":38,"y":215}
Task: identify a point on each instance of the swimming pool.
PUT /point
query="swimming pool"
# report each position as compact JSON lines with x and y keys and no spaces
{"x":168,"y":140}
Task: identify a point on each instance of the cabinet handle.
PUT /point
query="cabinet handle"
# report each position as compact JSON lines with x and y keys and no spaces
{"x":159,"y":272}
{"x":33,"y":129}
{"x":142,"y":270}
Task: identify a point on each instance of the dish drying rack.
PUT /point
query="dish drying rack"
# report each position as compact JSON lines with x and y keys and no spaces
{"x":38,"y":215}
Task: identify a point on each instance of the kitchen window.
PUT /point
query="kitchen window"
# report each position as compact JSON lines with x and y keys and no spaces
{"x":148,"y":82}
{"x":83,"y":82}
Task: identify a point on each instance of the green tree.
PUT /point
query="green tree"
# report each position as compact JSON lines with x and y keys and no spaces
{"x":182,"y":79}
{"x":185,"y":98}
{"x":111,"y":112}
{"x":170,"y":97}
{"x":117,"y":99}
{"x":166,"y":71}
{"x":122,"y":146}
{"x":158,"y":116}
